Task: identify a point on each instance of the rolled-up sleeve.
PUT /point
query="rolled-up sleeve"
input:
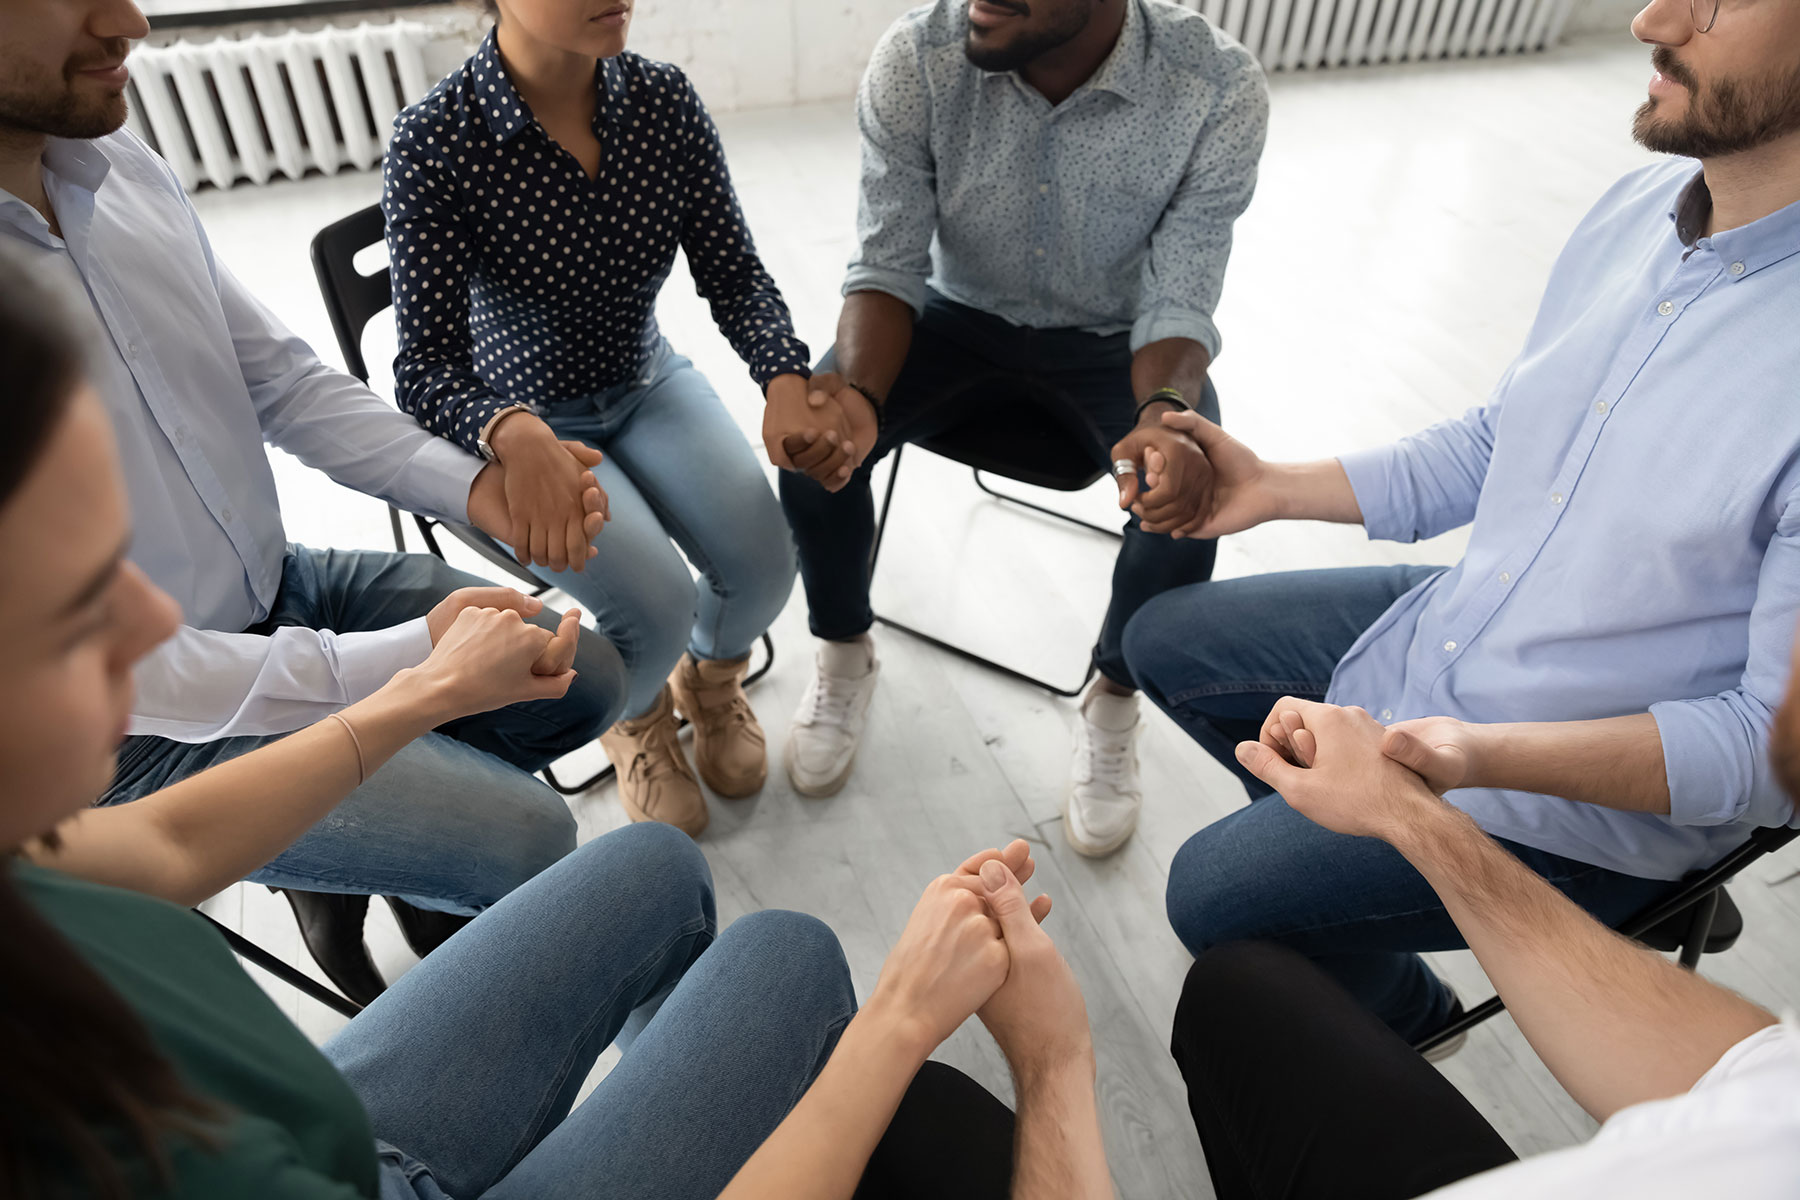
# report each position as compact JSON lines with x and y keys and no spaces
{"x":1426,"y":484}
{"x":203,"y":685}
{"x":896,"y":213}
{"x":1184,"y":272}
{"x":1716,"y":749}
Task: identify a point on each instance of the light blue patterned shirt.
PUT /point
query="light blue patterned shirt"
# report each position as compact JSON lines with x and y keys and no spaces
{"x":1634,"y":488}
{"x":1110,"y":212}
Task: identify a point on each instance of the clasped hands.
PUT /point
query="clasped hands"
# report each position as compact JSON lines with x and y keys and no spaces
{"x":540,"y":497}
{"x":1344,"y":770}
{"x":821,"y":427}
{"x":973,"y":946}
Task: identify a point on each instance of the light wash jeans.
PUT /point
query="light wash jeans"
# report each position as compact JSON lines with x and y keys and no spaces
{"x":455,"y":820}
{"x":469,"y":1065}
{"x":1216,"y":657}
{"x":678,"y":472}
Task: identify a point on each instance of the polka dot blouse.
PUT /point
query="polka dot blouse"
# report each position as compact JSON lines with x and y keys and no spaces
{"x":519,"y":280}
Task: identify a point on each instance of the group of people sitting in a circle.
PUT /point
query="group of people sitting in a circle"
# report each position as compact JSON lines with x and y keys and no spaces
{"x":1509,"y":754}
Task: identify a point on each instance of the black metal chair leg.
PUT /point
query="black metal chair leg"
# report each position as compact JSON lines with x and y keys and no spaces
{"x":398,"y":528}
{"x":292,"y":976}
{"x":1117,"y":535}
{"x":1699,"y":929}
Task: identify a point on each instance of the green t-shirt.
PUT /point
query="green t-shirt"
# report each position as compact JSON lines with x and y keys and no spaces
{"x":294,"y":1130}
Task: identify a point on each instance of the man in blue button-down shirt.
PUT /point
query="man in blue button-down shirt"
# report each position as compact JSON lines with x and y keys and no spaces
{"x":197,"y":375}
{"x":1048,"y":194}
{"x":1595,"y":682}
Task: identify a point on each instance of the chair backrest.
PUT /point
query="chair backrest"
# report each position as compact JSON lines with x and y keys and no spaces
{"x":352,"y":299}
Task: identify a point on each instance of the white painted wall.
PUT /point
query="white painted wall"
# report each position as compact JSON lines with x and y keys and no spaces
{"x":1611,"y":17}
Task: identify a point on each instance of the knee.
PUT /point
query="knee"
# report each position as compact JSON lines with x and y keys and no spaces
{"x":663,"y":857}
{"x":1153,"y":637}
{"x":532,"y":838}
{"x":1201,"y":893}
{"x":759,"y":572}
{"x":802,"y":957}
{"x":653,"y":621}
{"x":1226,"y":990}
{"x":597,"y":697}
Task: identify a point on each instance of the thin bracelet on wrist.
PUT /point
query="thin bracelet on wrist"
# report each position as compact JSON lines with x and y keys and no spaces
{"x":875,"y":403}
{"x":362,"y":769}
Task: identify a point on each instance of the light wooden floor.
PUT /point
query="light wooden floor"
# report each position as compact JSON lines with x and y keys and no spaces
{"x":1401,"y":234}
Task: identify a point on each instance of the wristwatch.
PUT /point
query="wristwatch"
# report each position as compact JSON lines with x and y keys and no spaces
{"x":485,"y":443}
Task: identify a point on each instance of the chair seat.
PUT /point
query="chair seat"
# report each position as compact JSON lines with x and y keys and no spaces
{"x":1727,"y":926}
{"x":1020,"y":438}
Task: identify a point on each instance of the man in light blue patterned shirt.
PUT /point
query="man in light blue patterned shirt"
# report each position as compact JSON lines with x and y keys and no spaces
{"x":1048,"y":194}
{"x":1595,"y":682}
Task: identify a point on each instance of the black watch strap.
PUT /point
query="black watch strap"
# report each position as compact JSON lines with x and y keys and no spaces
{"x":1166,"y":395}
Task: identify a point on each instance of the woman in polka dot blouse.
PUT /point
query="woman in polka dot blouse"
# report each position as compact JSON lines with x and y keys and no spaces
{"x":534,"y":201}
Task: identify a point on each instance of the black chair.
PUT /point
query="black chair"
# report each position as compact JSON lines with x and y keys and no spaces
{"x":1698,"y":919}
{"x":1025,"y":438}
{"x":301,"y":982}
{"x":352,"y":300}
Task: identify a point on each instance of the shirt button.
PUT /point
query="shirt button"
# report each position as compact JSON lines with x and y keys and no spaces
{"x":1039,"y":252}
{"x":1387,"y":714}
{"x":1666,"y":307}
{"x":1449,"y":647}
{"x":1506,"y":577}
{"x":1556,"y":497}
{"x":1044,"y":190}
{"x":1600,"y":407}
{"x":1737,"y":268}
{"x":226,"y":513}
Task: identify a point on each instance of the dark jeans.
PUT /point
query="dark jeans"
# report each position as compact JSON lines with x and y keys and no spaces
{"x":452,"y":822}
{"x":1216,"y":657}
{"x":1298,"y":1092}
{"x":959,"y":354}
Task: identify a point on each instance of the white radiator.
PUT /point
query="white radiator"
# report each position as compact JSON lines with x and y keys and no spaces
{"x":1289,"y":34}
{"x":230,"y":110}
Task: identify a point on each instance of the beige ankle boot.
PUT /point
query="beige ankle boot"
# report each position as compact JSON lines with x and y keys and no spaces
{"x":655,"y":781}
{"x":728,"y":743}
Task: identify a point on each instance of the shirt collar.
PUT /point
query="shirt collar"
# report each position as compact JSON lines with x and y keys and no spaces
{"x":1757,"y":245}
{"x":1123,"y":70}
{"x":77,"y":163}
{"x":506,"y":112}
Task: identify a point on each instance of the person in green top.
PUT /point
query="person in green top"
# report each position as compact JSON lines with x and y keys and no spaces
{"x":137,"y":1059}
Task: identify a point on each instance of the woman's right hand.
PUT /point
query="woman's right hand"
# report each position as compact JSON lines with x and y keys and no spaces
{"x":948,"y":962}
{"x":492,"y":657}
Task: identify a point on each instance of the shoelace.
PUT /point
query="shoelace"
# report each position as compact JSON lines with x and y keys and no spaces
{"x":1108,"y":757}
{"x":826,"y":705}
{"x":657,"y":757}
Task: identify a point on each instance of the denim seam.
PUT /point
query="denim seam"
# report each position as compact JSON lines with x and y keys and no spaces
{"x":1273,"y":686}
{"x":535,"y":1131}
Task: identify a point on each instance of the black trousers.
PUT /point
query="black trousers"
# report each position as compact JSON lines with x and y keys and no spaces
{"x":961,"y":357}
{"x":949,"y":1137}
{"x":1299,"y":1091}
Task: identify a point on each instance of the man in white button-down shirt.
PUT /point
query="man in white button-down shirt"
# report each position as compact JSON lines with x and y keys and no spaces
{"x":197,"y":375}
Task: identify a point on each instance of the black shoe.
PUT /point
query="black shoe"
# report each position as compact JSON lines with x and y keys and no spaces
{"x":425,"y":929}
{"x":331,"y":925}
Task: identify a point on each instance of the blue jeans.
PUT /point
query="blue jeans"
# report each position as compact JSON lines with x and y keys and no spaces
{"x":959,"y":355}
{"x":470,"y":1063}
{"x":1216,"y":657}
{"x":678,"y":472}
{"x":455,"y":820}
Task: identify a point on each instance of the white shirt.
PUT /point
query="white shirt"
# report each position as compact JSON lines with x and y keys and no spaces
{"x":1736,"y":1134}
{"x":197,"y":375}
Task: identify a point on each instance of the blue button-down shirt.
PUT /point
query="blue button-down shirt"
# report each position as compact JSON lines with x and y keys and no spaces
{"x":519,"y":280}
{"x":1634,"y":488}
{"x":196,"y":375}
{"x":1111,"y":211}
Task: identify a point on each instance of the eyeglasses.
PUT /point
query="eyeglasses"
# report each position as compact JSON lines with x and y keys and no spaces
{"x":1706,"y":12}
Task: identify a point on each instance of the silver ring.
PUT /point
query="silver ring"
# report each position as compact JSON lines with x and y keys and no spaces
{"x":1124,"y":466}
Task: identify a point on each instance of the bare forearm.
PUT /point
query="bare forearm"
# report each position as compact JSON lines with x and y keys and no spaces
{"x":1060,"y":1154}
{"x":1178,"y":363}
{"x":873,"y":337}
{"x":194,"y":838}
{"x":1616,"y":762}
{"x":1616,"y":1023}
{"x":1313,"y":491}
{"x":820,"y":1150}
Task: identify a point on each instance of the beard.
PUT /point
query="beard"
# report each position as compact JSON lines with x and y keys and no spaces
{"x":1028,"y":46}
{"x":54,"y":110}
{"x":1728,"y":116}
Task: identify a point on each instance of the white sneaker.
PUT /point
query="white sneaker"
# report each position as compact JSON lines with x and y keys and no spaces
{"x":821,"y":745}
{"x":1101,"y":810}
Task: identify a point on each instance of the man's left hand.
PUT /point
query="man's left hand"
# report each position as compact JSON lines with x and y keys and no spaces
{"x":1178,"y":479}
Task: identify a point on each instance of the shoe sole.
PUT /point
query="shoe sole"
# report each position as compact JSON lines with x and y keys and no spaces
{"x":1091,"y":849}
{"x":1439,"y":1053}
{"x":830,"y":787}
